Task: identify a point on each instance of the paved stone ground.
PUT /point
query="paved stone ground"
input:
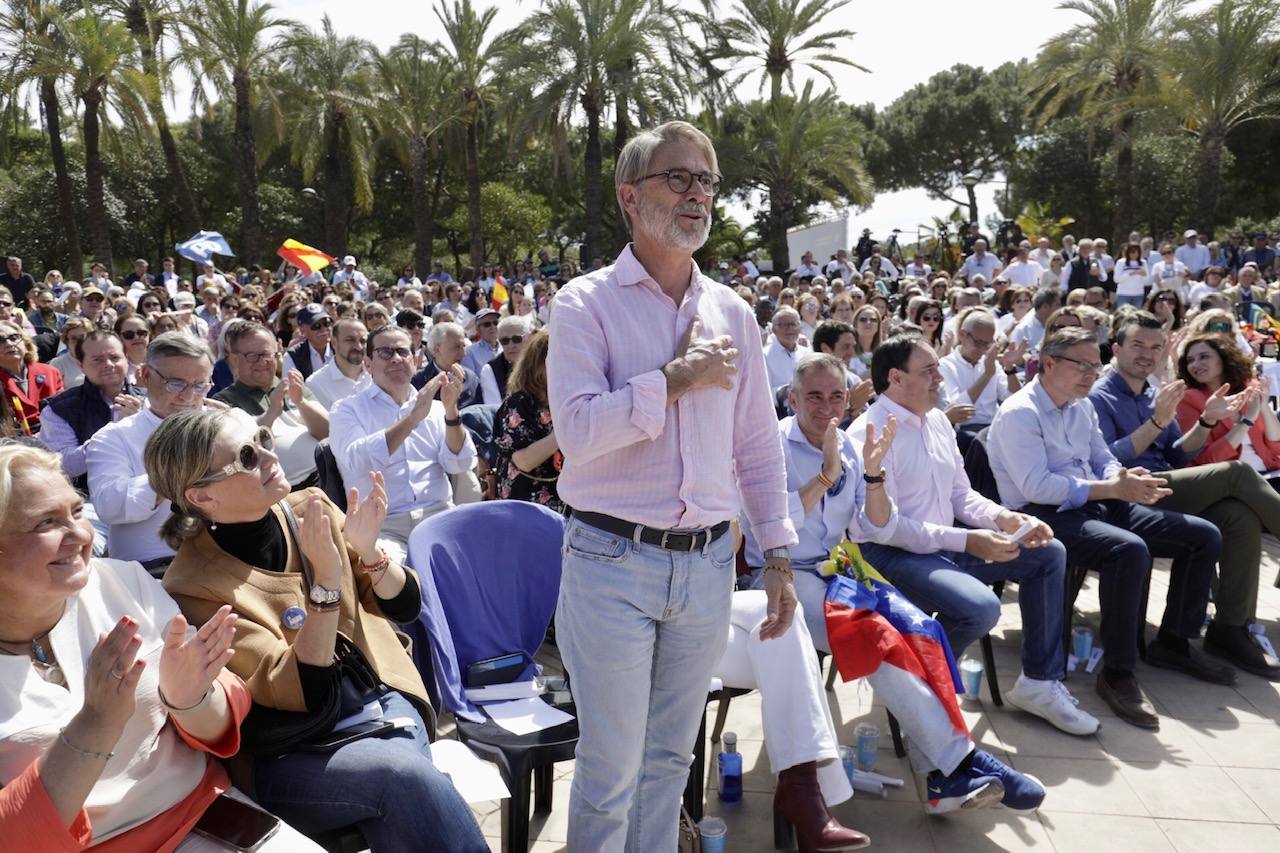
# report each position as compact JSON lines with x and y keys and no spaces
{"x":1208,"y":780}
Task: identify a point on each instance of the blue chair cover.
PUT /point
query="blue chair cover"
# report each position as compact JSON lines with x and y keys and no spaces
{"x":490,"y":576}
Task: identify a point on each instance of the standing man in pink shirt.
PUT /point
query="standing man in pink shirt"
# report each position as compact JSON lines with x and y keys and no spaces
{"x":662,"y":407}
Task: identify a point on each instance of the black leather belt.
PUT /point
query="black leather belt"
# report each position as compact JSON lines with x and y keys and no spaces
{"x":669,"y":539}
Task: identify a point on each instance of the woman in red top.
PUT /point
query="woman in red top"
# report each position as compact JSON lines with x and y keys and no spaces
{"x":26,"y":381}
{"x":1208,"y":360}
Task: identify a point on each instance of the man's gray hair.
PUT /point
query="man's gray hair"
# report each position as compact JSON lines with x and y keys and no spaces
{"x":976,"y":315}
{"x":179,"y":345}
{"x":515,"y":323}
{"x":633,"y":161}
{"x":816,"y":361}
{"x":438,"y":332}
{"x":1057,"y":344}
{"x":786,"y":310}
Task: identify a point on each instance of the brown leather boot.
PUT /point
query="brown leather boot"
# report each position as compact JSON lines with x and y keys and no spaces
{"x":798,"y":800}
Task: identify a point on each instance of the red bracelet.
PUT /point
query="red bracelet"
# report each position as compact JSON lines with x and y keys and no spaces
{"x":376,"y":567}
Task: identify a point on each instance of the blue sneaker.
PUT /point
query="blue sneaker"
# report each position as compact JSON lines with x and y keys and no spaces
{"x":963,"y":789}
{"x":1022,"y":791}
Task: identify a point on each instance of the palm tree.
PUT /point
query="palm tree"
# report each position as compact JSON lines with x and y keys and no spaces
{"x":1220,"y":82}
{"x":150,"y":22}
{"x":230,"y":46}
{"x":29,"y":28}
{"x":1107,"y":65}
{"x":776,"y":37}
{"x":327,"y":82}
{"x":414,"y":104}
{"x":93,"y":57}
{"x":799,"y":151}
{"x":584,"y":54}
{"x":474,"y":64}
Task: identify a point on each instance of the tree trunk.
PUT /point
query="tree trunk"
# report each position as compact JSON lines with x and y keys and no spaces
{"x":1208,"y":180}
{"x":73,"y":270}
{"x":593,"y":165}
{"x":474,"y":213}
{"x":779,"y":207}
{"x":247,"y":173}
{"x":973,"y":203}
{"x":1123,"y":220}
{"x":95,"y":189}
{"x":423,"y":220}
{"x":621,"y":133}
{"x":336,"y":203}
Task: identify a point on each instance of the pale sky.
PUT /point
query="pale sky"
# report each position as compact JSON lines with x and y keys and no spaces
{"x":901,"y":44}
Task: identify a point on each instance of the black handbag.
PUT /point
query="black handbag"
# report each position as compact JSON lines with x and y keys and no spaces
{"x":272,"y":731}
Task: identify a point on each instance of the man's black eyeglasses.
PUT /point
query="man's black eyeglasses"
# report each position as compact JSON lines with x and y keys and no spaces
{"x":679,"y":180}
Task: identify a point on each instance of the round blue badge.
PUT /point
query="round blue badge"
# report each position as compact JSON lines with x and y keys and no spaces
{"x":294,"y":617}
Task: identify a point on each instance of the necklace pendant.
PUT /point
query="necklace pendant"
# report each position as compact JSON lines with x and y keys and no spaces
{"x":54,"y":675}
{"x":38,"y":651}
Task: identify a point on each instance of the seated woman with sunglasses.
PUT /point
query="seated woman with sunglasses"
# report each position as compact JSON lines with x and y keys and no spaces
{"x":25,"y":382}
{"x":529,"y":458}
{"x":314,"y":643}
{"x":135,"y":334}
{"x":111,"y":702}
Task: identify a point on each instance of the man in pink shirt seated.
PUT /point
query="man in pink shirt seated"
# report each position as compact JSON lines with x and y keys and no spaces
{"x":661,"y":404}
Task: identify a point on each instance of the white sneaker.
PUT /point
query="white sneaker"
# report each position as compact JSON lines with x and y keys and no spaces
{"x":1052,"y":701}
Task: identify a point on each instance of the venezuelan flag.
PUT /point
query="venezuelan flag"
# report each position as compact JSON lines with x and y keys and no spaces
{"x":303,"y":256}
{"x":873,"y":627}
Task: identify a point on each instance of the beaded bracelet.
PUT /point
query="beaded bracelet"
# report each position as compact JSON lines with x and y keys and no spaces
{"x":101,"y":756}
{"x":376,"y":567}
{"x":174,"y":710}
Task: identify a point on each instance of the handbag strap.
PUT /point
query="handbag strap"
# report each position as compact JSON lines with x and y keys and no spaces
{"x":291,"y":522}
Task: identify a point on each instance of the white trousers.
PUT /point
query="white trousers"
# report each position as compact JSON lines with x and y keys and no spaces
{"x":934,"y":743}
{"x":794,"y":711}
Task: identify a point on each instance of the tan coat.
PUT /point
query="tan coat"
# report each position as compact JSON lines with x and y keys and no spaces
{"x":203,"y":577}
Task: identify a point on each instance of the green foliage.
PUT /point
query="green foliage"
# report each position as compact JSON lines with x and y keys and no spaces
{"x":514,"y":221}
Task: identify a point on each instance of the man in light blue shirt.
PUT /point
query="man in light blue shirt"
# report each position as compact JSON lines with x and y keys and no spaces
{"x":1050,"y":459}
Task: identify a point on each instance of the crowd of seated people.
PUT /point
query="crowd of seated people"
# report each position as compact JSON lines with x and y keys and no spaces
{"x":1124,"y":407}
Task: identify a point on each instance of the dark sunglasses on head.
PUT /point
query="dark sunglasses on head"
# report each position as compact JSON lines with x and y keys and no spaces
{"x":1172,"y":300}
{"x":248,"y":458}
{"x":514,"y":339}
{"x":134,"y":334}
{"x":1218,"y":327}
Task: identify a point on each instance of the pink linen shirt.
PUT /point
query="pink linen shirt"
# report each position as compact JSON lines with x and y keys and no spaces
{"x":711,"y":455}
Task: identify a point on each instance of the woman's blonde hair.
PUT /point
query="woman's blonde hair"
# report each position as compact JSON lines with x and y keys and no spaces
{"x":529,"y":373}
{"x":177,"y":456}
{"x":28,"y":345}
{"x":17,"y":457}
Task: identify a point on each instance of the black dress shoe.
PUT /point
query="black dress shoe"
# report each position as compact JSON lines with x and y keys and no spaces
{"x":1236,"y":644}
{"x":1193,"y":662}
{"x":1124,"y":696}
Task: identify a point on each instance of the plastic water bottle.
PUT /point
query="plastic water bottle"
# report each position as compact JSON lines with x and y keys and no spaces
{"x":730,"y":766}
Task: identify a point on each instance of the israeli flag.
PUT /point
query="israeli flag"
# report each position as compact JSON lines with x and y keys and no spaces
{"x":203,"y":246}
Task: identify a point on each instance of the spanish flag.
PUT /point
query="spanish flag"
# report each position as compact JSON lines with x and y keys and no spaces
{"x":500,"y":295}
{"x":303,"y":256}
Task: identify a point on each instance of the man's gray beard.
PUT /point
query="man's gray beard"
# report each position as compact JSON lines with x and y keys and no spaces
{"x":665,"y":227}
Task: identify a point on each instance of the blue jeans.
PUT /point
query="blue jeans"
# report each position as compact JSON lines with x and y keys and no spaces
{"x":641,"y":630}
{"x":1136,"y":300}
{"x":957,"y":587}
{"x":386,"y":786}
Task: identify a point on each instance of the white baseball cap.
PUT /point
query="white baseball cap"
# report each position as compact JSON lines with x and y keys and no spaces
{"x":1190,"y":232}
{"x":349,"y":261}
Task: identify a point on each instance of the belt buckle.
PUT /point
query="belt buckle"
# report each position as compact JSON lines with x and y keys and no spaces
{"x":662,"y":543}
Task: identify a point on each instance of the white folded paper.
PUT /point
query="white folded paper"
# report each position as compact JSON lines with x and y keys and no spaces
{"x":476,"y":780}
{"x":503,"y":692}
{"x":526,"y":716}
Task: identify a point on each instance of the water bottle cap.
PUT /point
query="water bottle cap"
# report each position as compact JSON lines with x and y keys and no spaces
{"x":729,"y":739}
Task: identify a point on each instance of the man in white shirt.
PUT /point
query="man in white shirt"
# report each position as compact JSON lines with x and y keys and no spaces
{"x":315,"y":350}
{"x":1030,"y":329}
{"x":176,"y":375}
{"x":345,"y":375}
{"x":918,"y":269}
{"x":976,"y":373}
{"x":839,"y":267}
{"x":485,"y":348}
{"x":947,"y":568}
{"x":981,"y":262}
{"x":879,"y":264}
{"x":1024,"y":272}
{"x":1169,"y":273}
{"x":168,"y":277}
{"x":350,"y":274}
{"x":1043,"y":255}
{"x":1100,"y":255}
{"x":1193,"y":253}
{"x":392,"y":428}
{"x":783,"y":349}
{"x":807,"y":268}
{"x":209,"y":277}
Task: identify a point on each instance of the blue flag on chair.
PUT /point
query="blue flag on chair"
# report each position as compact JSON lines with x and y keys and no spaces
{"x":203,"y":246}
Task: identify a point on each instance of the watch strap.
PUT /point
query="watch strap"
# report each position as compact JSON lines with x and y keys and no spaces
{"x":453,"y":422}
{"x":878,"y":478}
